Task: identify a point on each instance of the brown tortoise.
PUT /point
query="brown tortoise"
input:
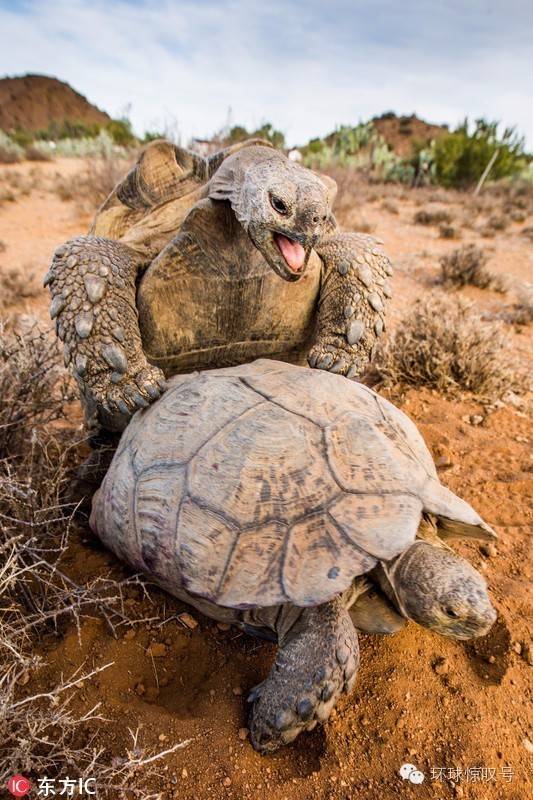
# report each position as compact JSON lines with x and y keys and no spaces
{"x":195,"y":263}
{"x":262,"y":494}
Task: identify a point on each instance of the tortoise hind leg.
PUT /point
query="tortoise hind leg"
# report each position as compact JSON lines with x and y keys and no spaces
{"x":316,"y":662}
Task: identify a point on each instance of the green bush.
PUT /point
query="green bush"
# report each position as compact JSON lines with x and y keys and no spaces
{"x":267,"y":131}
{"x":68,"y":129}
{"x":10,"y":151}
{"x":121,"y":132}
{"x":460,"y":157}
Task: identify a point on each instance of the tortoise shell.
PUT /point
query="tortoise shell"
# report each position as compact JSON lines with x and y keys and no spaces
{"x":147,"y":208}
{"x":270,"y":483}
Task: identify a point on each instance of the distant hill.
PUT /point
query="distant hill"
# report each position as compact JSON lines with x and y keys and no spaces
{"x":401,"y":132}
{"x":35,"y":102}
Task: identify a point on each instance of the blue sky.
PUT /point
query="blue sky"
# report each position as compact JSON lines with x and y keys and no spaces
{"x":305,"y":65}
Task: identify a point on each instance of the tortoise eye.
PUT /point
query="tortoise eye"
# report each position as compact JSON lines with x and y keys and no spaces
{"x":279,"y":205}
{"x":451,"y":613}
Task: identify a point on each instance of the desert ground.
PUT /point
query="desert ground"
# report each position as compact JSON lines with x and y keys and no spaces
{"x":460,"y":712}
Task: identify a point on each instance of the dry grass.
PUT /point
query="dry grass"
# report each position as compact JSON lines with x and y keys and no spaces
{"x":93,"y":183}
{"x":445,"y":345}
{"x":438,"y":217}
{"x":40,"y":734}
{"x":448,"y":232}
{"x":17,"y":285}
{"x":33,"y":153}
{"x":467,"y":267}
{"x":520,"y":313}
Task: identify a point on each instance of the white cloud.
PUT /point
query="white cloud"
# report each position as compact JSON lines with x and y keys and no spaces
{"x":306,"y":66}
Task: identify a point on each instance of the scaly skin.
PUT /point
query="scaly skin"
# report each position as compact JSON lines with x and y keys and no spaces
{"x":316,"y":662}
{"x":93,"y":284}
{"x":352,"y":303}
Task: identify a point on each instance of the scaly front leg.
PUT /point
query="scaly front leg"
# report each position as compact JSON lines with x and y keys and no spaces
{"x":351,"y":314}
{"x":93,"y":284}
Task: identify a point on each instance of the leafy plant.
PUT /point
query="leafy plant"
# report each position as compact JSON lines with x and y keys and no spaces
{"x":461,"y":157}
{"x":238,"y":133}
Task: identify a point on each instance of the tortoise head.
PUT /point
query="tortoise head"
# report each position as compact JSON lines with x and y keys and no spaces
{"x":284,"y":207}
{"x":440,"y":590}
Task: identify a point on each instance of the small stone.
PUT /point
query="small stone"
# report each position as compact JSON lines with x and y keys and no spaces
{"x":157,"y":650}
{"x":348,"y":312}
{"x":387,"y":291}
{"x":528,"y":745}
{"x":243,"y":734}
{"x":162,"y":737}
{"x":517,"y":647}
{"x":140,"y":689}
{"x":442,"y":666}
{"x":492,"y":659}
{"x":375,"y":301}
{"x":354,"y":331}
{"x":488,"y":550}
{"x":237,"y":691}
{"x":226,"y":781}
{"x":378,"y":326}
{"x":527,"y":654}
{"x":188,"y":620}
{"x":184,"y":773}
{"x":476,"y":419}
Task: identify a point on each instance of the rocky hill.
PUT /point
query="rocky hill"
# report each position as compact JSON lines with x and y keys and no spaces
{"x":36,"y":102}
{"x":400,"y":133}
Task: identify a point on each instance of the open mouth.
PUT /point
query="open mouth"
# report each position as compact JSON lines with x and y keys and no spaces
{"x":293,"y":253}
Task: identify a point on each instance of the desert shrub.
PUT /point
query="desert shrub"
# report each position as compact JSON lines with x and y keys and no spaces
{"x":36,"y":153}
{"x":498,"y":222}
{"x":17,"y":284}
{"x":390,"y":206}
{"x":94,"y":182}
{"x":461,"y":157}
{"x":238,"y":133}
{"x":10,"y":151}
{"x":521,"y":311}
{"x":101,"y":145}
{"x":443,"y":344}
{"x":121,"y":132}
{"x":40,"y":734}
{"x":448,"y":232}
{"x":438,"y":217}
{"x":467,"y":267}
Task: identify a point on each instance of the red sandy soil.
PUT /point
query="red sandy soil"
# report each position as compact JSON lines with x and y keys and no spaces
{"x":419,"y":698}
{"x":33,"y":102}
